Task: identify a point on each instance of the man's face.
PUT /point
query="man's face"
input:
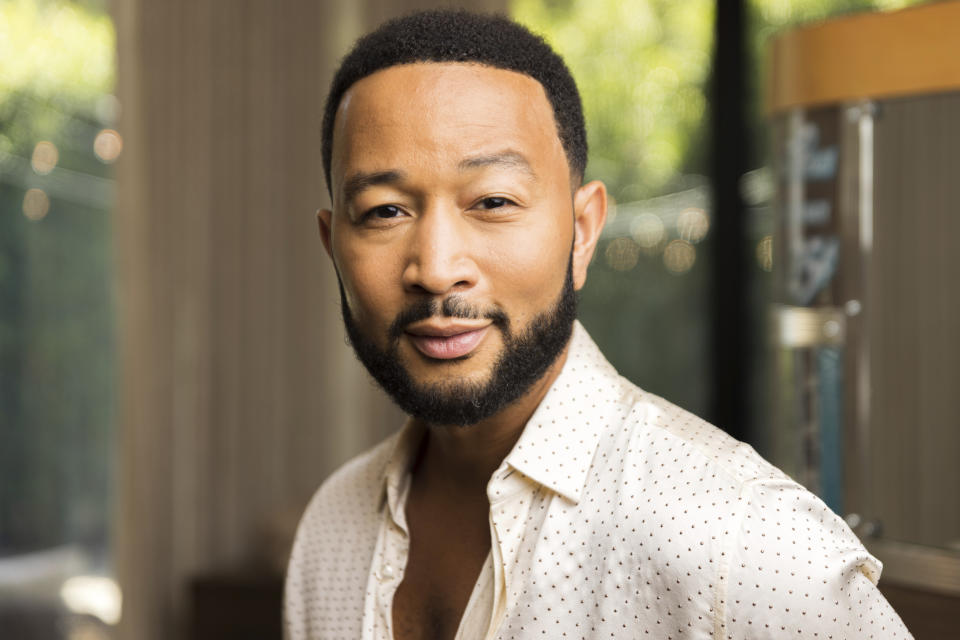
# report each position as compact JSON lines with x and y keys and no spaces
{"x":453,"y":235}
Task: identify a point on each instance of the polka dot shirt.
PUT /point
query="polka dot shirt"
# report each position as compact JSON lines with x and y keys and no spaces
{"x":616,"y":515}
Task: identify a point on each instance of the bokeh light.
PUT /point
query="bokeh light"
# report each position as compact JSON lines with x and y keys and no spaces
{"x":45,"y":157}
{"x":108,"y":109}
{"x":36,"y":204}
{"x":648,"y":231}
{"x":622,"y":254}
{"x":107,"y":145}
{"x":93,"y":595}
{"x":679,"y":256}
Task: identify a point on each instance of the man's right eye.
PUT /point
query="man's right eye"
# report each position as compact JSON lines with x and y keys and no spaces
{"x":383,"y":212}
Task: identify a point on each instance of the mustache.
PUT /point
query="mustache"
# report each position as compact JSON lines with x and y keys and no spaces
{"x":451,"y":307}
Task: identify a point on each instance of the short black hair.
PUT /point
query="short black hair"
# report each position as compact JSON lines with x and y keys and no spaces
{"x":460,"y":36}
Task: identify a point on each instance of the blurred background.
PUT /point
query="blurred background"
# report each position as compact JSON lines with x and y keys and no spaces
{"x":174,"y":382}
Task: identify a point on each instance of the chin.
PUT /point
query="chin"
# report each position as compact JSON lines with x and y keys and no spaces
{"x":463,"y":372}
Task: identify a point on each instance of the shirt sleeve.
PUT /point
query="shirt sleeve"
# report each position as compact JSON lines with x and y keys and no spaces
{"x":794,"y":569}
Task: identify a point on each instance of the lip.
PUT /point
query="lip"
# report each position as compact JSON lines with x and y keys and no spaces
{"x":446,"y":341}
{"x":444,"y":329}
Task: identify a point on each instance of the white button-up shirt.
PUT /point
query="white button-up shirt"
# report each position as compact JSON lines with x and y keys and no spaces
{"x":616,"y":515}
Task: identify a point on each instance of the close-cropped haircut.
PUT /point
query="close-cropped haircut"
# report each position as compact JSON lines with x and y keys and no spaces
{"x":461,"y":36}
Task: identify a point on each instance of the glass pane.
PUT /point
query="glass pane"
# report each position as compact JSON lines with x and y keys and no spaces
{"x":56,"y":320}
{"x":804,"y":434}
{"x":642,"y":69}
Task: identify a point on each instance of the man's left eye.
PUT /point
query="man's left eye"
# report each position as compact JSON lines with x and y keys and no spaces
{"x":495,"y":202}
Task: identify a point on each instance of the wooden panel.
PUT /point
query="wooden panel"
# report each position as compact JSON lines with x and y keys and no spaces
{"x":236,"y":606}
{"x":928,"y":616}
{"x":914,"y":337}
{"x":872,"y":55}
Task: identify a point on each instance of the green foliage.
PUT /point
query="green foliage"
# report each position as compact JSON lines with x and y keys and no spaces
{"x":56,"y":65}
{"x":641,"y":67}
{"x":57,"y":50}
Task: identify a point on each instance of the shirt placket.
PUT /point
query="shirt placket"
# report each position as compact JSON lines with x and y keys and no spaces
{"x":510,"y":495}
{"x":392,"y":559}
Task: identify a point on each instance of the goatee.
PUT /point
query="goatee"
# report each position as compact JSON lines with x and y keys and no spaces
{"x":525,"y":358}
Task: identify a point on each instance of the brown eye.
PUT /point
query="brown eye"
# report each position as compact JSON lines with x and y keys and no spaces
{"x":495,"y":202}
{"x":384,"y":212}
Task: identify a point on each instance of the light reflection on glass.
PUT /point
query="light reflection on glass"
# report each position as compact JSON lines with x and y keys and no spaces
{"x":108,"y":109}
{"x":45,"y":157}
{"x":679,"y":256}
{"x":693,"y":224}
{"x":107,"y":145}
{"x":86,"y":629}
{"x":93,"y":595}
{"x":36,"y":204}
{"x":648,"y":231}
{"x":757,"y":187}
{"x":765,"y":253}
{"x":622,"y":254}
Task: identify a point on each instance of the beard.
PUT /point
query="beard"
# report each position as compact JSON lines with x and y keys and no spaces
{"x":524,"y":359}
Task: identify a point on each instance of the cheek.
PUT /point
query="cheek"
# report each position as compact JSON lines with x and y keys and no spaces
{"x":370,"y":281}
{"x":529,"y":268}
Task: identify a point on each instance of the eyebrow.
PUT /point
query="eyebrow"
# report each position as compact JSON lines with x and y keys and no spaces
{"x":360,"y":181}
{"x":508,"y":159}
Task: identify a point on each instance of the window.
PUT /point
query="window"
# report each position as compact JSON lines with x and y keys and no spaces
{"x":57,"y":143}
{"x":642,"y":70}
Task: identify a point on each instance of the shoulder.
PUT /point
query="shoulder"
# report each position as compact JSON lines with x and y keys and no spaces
{"x":668,"y":426}
{"x":335,"y":541}
{"x":793,"y":566}
{"x":783,"y":561}
{"x":697,"y":464}
{"x":699,"y":483}
{"x":347,"y":501}
{"x":672,"y":457}
{"x":357,"y":483}
{"x":643,"y":440}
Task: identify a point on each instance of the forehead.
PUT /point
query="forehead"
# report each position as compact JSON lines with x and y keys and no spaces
{"x":431,"y":115}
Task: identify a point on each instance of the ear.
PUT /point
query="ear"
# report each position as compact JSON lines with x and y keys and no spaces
{"x":590,"y":213}
{"x":324,"y":217}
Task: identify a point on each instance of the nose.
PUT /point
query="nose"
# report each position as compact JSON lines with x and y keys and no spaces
{"x":440,"y":253}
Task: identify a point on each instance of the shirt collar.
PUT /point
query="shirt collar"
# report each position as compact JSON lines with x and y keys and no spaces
{"x":557,"y":446}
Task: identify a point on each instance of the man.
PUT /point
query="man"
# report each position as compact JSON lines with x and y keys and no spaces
{"x":534,"y":492}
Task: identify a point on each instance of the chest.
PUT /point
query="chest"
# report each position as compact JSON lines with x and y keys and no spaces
{"x":448,"y":547}
{"x":590,"y":571}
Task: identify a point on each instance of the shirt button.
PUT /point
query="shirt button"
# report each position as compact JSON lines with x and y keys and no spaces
{"x":386,"y":572}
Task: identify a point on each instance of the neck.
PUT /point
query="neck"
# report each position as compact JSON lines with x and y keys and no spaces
{"x":464,"y":458}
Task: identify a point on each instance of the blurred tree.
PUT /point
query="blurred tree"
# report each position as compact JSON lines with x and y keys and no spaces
{"x":641,"y":68}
